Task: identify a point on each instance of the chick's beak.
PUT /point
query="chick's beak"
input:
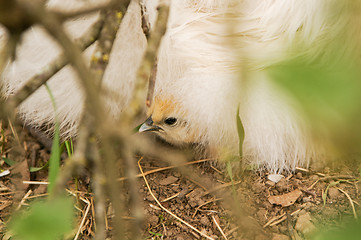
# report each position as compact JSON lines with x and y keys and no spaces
{"x":148,"y":126}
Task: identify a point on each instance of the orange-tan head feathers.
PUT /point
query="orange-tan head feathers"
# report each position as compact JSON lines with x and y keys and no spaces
{"x":167,"y":118}
{"x":163,"y":107}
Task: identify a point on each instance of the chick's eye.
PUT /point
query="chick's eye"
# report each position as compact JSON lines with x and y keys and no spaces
{"x":170,"y":121}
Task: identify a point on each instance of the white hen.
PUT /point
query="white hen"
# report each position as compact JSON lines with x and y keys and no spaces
{"x":211,"y":63}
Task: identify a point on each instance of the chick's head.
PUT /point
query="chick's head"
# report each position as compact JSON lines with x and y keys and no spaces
{"x":168,"y":119}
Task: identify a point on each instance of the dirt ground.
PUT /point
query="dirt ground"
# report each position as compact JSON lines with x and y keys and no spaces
{"x":298,"y":206}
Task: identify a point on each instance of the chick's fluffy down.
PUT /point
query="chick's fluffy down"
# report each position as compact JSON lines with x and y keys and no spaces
{"x":210,"y":65}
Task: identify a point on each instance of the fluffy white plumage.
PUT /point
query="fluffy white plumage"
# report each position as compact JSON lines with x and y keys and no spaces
{"x":210,"y":64}
{"x":38,"y":50}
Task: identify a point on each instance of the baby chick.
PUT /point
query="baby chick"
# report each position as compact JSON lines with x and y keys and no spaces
{"x":168,"y":121}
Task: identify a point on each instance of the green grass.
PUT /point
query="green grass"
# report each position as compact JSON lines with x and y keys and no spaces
{"x":54,"y":161}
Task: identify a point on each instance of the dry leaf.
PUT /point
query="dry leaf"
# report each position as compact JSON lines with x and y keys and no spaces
{"x":19,"y":174}
{"x":287,"y":199}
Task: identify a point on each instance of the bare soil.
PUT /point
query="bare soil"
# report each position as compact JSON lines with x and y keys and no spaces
{"x":299,"y":206}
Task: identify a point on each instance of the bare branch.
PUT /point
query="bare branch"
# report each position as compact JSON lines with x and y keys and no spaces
{"x":139,"y":92}
{"x":104,"y":172}
{"x":93,"y":107}
{"x":54,"y":27}
{"x":114,"y":4}
{"x":96,"y":122}
{"x":98,"y":182}
{"x":15,"y":20}
{"x":151,"y":84}
{"x":145,"y":20}
{"x":37,"y":81}
{"x":100,"y":57}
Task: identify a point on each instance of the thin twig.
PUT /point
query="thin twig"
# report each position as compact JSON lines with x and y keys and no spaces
{"x":219,"y":227}
{"x":24,"y":199}
{"x":222,"y":186}
{"x":135,"y":203}
{"x":167,"y":168}
{"x":35,"y":182}
{"x":171,"y":197}
{"x":278,"y":219}
{"x":145,"y":19}
{"x":38,"y":196}
{"x":214,"y":200}
{"x":98,"y":182}
{"x":351,"y":202}
{"x":85,"y":213}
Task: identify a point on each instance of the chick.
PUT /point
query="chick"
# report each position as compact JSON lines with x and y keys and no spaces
{"x":275,"y":138}
{"x":169,"y":121}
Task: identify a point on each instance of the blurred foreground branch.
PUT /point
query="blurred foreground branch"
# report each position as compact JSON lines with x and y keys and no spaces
{"x":93,"y":107}
{"x":95,"y":123}
{"x":144,"y":72}
{"x":37,"y":81}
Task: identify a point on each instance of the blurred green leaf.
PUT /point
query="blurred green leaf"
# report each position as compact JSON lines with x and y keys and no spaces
{"x":44,"y":220}
{"x":229,"y":170}
{"x":329,"y":92}
{"x":352,"y":231}
{"x":241,"y":134}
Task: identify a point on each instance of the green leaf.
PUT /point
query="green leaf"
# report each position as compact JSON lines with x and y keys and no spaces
{"x":31,"y":169}
{"x":69,"y":147}
{"x":9,"y":162}
{"x":155,"y":234}
{"x":329,"y":92}
{"x":44,"y":220}
{"x":37,"y":169}
{"x":241,"y":134}
{"x":54,"y":162}
{"x":350,"y":231}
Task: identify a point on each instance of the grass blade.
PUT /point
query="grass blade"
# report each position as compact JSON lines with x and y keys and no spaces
{"x":54,"y":162}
